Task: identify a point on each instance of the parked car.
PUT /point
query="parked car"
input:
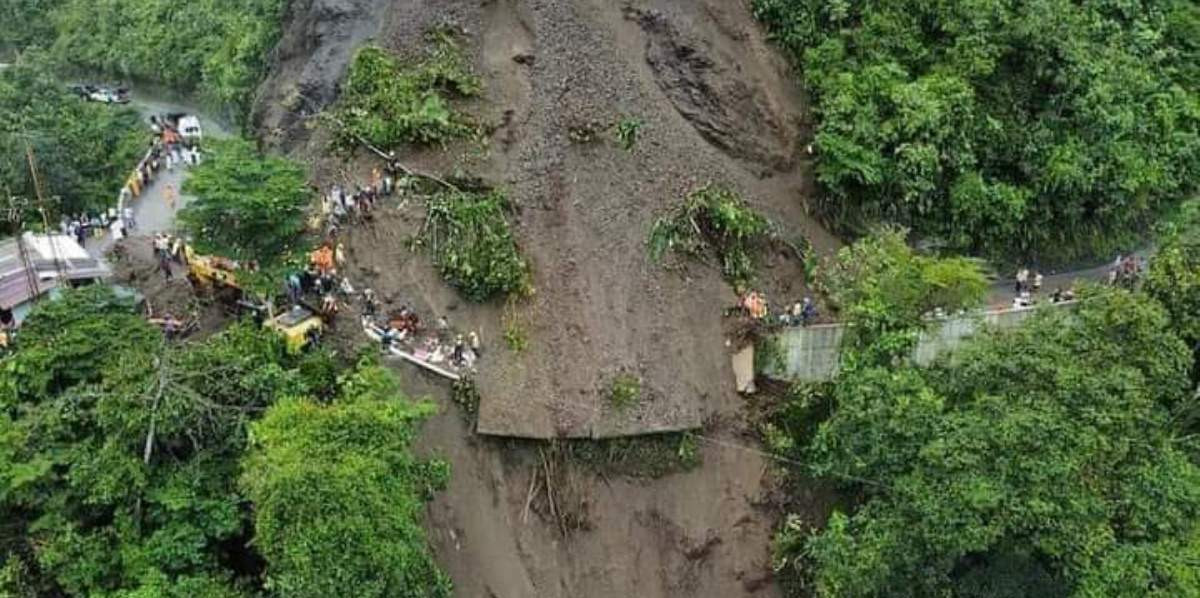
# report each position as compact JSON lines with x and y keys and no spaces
{"x":103,"y":95}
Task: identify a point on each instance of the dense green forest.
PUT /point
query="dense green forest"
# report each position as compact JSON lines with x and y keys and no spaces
{"x":218,"y":48}
{"x":84,"y":150}
{"x":1051,"y":129}
{"x":131,"y":466}
{"x":1059,"y":458}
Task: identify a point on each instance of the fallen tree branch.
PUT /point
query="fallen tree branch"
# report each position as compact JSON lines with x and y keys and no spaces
{"x":389,"y":158}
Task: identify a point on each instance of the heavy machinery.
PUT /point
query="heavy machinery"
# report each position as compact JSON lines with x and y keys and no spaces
{"x":210,"y":272}
{"x":299,"y":326}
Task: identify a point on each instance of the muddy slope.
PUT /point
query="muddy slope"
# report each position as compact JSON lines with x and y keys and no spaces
{"x":319,"y":39}
{"x":717,"y":106}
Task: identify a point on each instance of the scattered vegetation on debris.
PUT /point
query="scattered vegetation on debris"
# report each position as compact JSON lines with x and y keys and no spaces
{"x":627,"y":132}
{"x":389,"y":102}
{"x":714,"y":221}
{"x":586,"y":132}
{"x":515,"y":334}
{"x":466,"y":394}
{"x":768,"y":354}
{"x":625,"y":391}
{"x":468,"y":234}
{"x":647,"y":456}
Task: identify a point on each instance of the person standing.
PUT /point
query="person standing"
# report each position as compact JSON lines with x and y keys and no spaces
{"x":164,"y":264}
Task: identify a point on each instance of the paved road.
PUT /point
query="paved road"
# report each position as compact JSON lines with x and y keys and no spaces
{"x":1004,"y":290}
{"x":153,"y":211}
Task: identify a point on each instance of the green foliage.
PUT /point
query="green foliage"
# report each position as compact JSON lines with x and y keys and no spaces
{"x":466,"y":394}
{"x":217,"y":47}
{"x":84,"y":151}
{"x":119,"y":452}
{"x":768,"y":355}
{"x":625,"y":390}
{"x":1049,"y":128}
{"x":468,"y":234}
{"x":389,"y":102}
{"x":1045,"y":457}
{"x":627,"y":132}
{"x":23,"y":22}
{"x":883,"y":289}
{"x":647,"y":456}
{"x":248,"y":206}
{"x":1174,"y":275}
{"x":338,"y":496}
{"x":714,"y":220}
{"x":515,"y":335}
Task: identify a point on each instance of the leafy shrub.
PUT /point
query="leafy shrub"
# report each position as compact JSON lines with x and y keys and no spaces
{"x":388,"y":102}
{"x":338,"y":496}
{"x":119,"y":452}
{"x":472,"y":245}
{"x":627,"y":132}
{"x":1047,"y":459}
{"x":1057,"y":129}
{"x":713,"y":220}
{"x":625,"y":391}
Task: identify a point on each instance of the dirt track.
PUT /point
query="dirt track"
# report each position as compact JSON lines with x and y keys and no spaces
{"x":717,"y":106}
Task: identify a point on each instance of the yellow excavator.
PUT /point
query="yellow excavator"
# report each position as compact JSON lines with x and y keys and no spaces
{"x":299,"y":326}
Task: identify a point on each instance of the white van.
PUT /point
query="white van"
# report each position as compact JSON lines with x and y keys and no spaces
{"x":189,"y":129}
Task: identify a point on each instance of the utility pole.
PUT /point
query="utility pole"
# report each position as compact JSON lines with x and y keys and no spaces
{"x":40,"y":190}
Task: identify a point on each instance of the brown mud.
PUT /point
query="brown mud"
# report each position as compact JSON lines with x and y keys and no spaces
{"x":717,"y":105}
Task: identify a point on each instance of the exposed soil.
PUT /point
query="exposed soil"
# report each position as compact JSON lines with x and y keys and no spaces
{"x":716,"y":106}
{"x":135,"y":266}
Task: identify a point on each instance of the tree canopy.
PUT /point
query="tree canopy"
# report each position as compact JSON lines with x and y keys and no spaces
{"x":84,"y":151}
{"x":217,"y":47}
{"x":248,"y":206}
{"x":1050,"y":129}
{"x":120,"y":456}
{"x":338,"y":497}
{"x":1051,"y":459}
{"x":883,"y":290}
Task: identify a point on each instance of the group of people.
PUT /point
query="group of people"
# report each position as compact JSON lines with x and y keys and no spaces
{"x":1027,"y":286}
{"x":167,"y":149}
{"x":753,"y":304}
{"x":1126,"y":271}
{"x":81,"y":226}
{"x":404,"y":327}
{"x":340,"y":206}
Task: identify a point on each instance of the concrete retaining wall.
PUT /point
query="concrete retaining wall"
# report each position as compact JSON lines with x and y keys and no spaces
{"x":813,"y":353}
